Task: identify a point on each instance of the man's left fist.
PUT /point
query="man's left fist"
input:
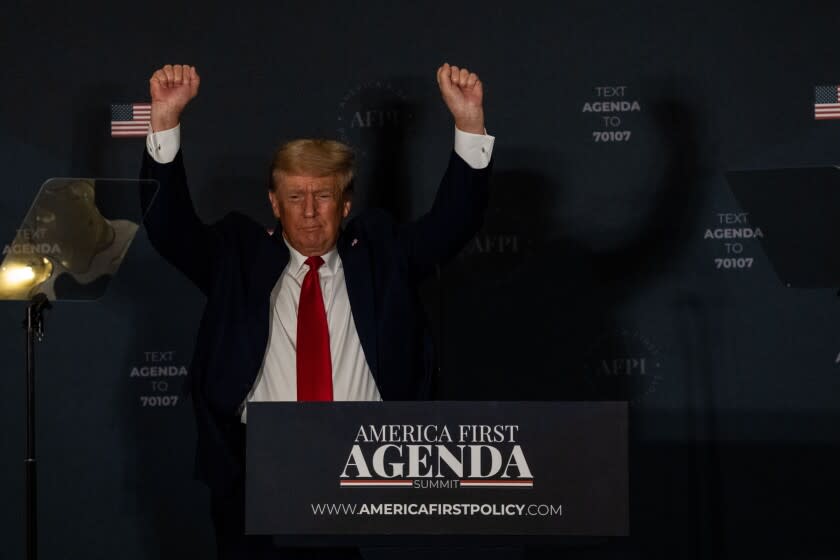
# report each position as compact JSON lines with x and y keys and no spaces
{"x":463,"y":94}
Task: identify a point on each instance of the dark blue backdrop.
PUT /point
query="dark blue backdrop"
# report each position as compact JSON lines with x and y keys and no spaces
{"x":593,"y":278}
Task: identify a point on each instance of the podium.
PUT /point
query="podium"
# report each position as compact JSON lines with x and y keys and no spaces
{"x":386,"y":473}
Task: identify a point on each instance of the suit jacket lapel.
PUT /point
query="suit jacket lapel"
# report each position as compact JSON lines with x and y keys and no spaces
{"x":271,"y":258}
{"x":355,"y":258}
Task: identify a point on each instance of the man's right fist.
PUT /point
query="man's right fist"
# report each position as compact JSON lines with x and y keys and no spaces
{"x":171,"y":88}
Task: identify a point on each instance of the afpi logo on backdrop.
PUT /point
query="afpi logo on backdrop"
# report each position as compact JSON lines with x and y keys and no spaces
{"x":436,"y":456}
{"x":499,"y":236}
{"x":625,"y":365}
{"x":492,"y":243}
{"x":371,"y":110}
{"x":511,"y":227}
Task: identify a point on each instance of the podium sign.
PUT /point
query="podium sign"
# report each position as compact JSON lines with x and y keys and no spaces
{"x":435,"y":468}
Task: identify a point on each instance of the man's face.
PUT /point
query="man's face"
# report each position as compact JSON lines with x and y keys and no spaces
{"x":310,"y":209}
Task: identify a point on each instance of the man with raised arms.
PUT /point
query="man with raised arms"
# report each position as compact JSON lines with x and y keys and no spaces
{"x":314,"y":311}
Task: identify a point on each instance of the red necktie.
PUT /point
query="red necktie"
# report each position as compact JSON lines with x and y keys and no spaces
{"x":314,"y":366}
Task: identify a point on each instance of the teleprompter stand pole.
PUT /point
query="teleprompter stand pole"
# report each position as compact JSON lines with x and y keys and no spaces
{"x":33,"y":324}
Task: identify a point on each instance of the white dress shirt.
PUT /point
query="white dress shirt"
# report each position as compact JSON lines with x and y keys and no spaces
{"x":277,"y":377}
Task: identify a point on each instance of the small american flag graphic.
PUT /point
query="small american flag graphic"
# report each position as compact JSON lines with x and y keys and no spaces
{"x":130,"y":119}
{"x":827,"y":102}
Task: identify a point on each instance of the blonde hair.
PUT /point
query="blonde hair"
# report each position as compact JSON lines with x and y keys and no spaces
{"x":314,"y":157}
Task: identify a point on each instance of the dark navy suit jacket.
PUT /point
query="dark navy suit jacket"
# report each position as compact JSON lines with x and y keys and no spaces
{"x":236,"y":264}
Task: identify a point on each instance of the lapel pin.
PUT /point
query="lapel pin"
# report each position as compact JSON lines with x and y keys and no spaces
{"x":354,"y":242}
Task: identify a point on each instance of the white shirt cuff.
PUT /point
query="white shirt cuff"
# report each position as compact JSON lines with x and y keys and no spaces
{"x":475,"y":149}
{"x":163,"y":145}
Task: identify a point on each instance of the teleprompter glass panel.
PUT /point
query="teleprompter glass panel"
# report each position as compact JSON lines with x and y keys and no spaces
{"x":73,"y":238}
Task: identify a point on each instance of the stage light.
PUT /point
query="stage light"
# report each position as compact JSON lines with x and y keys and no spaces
{"x":16,"y":274}
{"x":20,"y":278}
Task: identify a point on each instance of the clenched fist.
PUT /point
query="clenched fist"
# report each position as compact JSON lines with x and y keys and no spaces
{"x":171,"y":88}
{"x":463,"y":94}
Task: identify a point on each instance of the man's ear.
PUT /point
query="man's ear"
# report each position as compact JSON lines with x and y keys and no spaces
{"x":275,"y":203}
{"x":346,"y":205}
